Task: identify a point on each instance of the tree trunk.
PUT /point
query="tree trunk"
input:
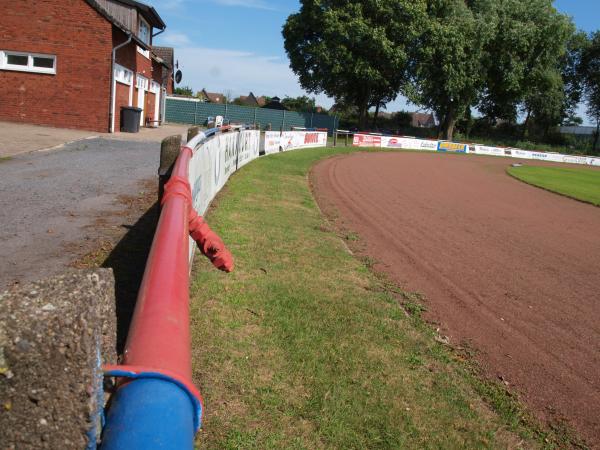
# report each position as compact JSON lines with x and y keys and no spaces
{"x":525,"y":133}
{"x":596,"y":136}
{"x":363,"y":110}
{"x":448,"y":125}
{"x":374,"y":126}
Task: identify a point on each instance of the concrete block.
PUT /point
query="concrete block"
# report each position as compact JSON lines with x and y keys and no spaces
{"x":55,"y":335}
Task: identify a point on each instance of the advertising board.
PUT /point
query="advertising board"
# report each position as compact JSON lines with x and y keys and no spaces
{"x":445,"y":146}
{"x":366,"y":140}
{"x":408,"y":143}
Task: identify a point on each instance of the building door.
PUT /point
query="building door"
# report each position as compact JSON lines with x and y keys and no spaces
{"x":142,"y":86}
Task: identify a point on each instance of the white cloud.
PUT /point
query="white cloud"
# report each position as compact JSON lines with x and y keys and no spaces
{"x":239,"y":72}
{"x":174,"y":39}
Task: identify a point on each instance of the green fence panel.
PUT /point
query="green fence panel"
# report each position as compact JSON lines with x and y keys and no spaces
{"x":180,"y":111}
{"x":194,"y":112}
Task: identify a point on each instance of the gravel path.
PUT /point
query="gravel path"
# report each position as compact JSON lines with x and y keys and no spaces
{"x":507,"y":269}
{"x":51,"y":202}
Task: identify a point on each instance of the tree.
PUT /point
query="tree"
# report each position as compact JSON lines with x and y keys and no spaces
{"x":572,"y":74}
{"x":590,"y":71}
{"x":572,"y":121}
{"x":545,"y":101}
{"x":355,"y":50}
{"x":449,"y":71}
{"x":300,"y":104}
{"x":525,"y":57}
{"x":185,"y":90}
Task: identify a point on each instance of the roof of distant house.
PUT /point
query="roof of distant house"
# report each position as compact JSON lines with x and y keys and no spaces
{"x":214,"y":97}
{"x":167,"y":54}
{"x":275,"y":103}
{"x":422,"y":119}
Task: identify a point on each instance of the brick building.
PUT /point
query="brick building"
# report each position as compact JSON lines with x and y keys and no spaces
{"x":75,"y":63}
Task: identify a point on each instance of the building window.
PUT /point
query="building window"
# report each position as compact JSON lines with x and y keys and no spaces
{"x":141,"y":82}
{"x":145,"y":53}
{"x":27,"y":62}
{"x":123,"y":75}
{"x":144,"y":31}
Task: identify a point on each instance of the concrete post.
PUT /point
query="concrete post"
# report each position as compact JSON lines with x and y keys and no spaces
{"x":169,"y":151}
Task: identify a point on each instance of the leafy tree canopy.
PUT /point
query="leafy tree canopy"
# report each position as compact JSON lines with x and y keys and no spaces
{"x":356,"y":50}
{"x":185,"y":90}
{"x":300,"y":104}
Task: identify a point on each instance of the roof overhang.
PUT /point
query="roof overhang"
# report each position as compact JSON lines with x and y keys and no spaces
{"x":148,"y":12}
{"x":119,"y":25}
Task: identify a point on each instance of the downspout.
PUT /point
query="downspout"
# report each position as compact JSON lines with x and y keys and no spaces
{"x":156,"y":34}
{"x":111,"y":113}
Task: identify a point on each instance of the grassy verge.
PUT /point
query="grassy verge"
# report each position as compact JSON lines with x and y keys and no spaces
{"x":579,"y":183}
{"x":303,"y":346}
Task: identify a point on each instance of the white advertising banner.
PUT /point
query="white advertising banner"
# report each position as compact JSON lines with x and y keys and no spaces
{"x":292,"y":140}
{"x":272,"y":142}
{"x":214,"y":161}
{"x":587,"y":160}
{"x":494,"y":151}
{"x":367,"y":140}
{"x":408,"y":143}
{"x":249,"y":147}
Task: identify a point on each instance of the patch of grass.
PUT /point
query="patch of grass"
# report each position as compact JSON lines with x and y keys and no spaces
{"x":5,"y":159}
{"x":579,"y":183}
{"x":304,"y":346}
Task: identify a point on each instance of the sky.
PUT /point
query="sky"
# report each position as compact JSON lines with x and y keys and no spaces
{"x":236,"y":46}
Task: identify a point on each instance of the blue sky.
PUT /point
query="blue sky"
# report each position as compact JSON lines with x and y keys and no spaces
{"x":235,"y":46}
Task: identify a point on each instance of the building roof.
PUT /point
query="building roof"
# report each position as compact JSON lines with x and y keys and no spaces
{"x":253,"y":100}
{"x":422,"y":120}
{"x":214,"y":97}
{"x":148,"y":12}
{"x":275,"y":103}
{"x":166,"y":54}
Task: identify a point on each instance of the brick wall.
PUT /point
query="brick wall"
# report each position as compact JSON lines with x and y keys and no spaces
{"x":78,"y":96}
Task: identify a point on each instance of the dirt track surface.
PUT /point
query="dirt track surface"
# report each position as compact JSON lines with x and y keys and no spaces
{"x":508,"y":269}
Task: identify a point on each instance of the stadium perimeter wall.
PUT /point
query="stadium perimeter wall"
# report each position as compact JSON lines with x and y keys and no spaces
{"x":408,"y":143}
{"x":194,"y":112}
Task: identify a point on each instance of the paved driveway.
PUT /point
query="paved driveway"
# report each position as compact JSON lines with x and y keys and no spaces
{"x":50,"y":201}
{"x":18,"y":138}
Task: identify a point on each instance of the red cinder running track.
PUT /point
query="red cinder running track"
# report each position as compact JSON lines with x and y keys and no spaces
{"x":509,"y":269}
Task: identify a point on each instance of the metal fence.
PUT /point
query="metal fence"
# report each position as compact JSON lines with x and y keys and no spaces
{"x":195,"y":112}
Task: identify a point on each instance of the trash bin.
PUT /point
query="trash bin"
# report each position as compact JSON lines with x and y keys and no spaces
{"x":130,"y":119}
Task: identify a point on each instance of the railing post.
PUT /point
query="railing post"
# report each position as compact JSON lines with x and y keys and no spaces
{"x":169,"y":151}
{"x":283,"y":122}
{"x":196,"y":113}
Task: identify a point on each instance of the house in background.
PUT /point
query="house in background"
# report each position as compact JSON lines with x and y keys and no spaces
{"x":252,"y":100}
{"x":211,"y":97}
{"x":167,"y":55}
{"x":75,"y":63}
{"x":275,"y":103}
{"x":422,"y":120}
